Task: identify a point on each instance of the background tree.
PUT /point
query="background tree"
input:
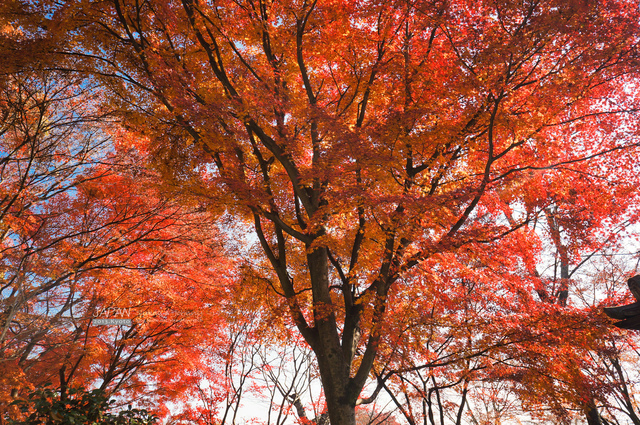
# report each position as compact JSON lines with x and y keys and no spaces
{"x":85,"y":229}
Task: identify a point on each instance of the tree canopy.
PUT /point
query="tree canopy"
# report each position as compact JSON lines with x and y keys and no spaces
{"x":407,"y":188}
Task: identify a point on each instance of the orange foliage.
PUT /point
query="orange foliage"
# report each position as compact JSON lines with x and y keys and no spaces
{"x":404,"y":167}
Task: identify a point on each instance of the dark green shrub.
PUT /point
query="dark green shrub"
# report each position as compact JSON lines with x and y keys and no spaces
{"x":45,"y":406}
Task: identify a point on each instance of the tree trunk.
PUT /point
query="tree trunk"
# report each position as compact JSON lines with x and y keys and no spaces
{"x":591,"y":413}
{"x":562,"y":294}
{"x":334,"y":373}
{"x":340,"y":413}
{"x":334,"y":367}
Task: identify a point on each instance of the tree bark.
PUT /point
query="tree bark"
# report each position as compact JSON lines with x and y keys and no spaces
{"x":591,"y":413}
{"x":334,"y":367}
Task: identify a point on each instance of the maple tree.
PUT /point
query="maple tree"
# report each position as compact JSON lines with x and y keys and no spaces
{"x":392,"y":158}
{"x":118,"y":249}
{"x":615,"y":359}
{"x":446,"y":369}
{"x":565,"y":381}
{"x":367,"y":140}
{"x":85,"y":231}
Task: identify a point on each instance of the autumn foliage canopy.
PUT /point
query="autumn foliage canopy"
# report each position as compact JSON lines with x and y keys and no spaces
{"x":420,"y":193}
